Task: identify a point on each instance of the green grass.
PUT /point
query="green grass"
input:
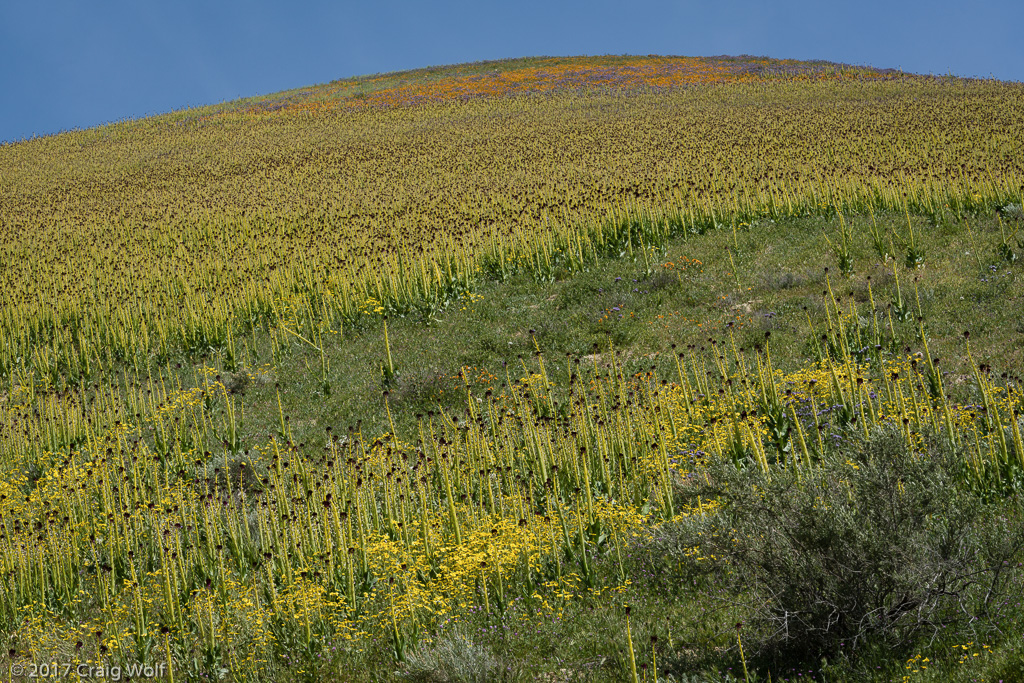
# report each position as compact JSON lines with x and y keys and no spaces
{"x":782,"y":270}
{"x":964,"y":284}
{"x":145,"y":508}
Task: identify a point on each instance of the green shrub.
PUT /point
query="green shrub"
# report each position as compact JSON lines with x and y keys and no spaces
{"x":876,"y":547}
{"x":454,"y":658}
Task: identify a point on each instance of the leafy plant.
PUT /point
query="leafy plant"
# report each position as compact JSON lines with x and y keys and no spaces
{"x":879,"y":543}
{"x":842,"y":249}
{"x":915,"y":250}
{"x":878,"y":239}
{"x":1007,"y":250}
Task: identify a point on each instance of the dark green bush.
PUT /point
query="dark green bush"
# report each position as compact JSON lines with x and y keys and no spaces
{"x":875,"y":547}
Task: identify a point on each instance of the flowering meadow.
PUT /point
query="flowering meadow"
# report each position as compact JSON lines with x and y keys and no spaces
{"x":187,"y":478}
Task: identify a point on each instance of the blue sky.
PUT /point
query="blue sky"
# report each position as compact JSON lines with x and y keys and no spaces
{"x":74,"y":64}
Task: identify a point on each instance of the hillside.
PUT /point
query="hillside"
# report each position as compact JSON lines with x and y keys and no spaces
{"x":426,"y":375}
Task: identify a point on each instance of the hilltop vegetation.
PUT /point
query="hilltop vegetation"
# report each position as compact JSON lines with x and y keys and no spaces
{"x":153,"y":235}
{"x":425,"y":376}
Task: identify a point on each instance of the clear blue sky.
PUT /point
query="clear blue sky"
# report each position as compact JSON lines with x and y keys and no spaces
{"x":75,"y":64}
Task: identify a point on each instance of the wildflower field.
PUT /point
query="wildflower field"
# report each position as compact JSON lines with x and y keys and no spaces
{"x":547,"y":369}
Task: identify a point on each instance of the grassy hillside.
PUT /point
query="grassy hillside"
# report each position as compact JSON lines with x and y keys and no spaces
{"x":427,"y":376}
{"x":185,"y":224}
